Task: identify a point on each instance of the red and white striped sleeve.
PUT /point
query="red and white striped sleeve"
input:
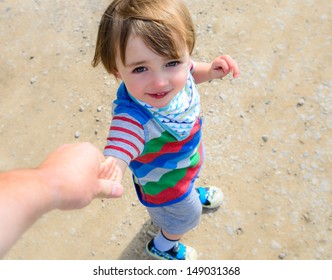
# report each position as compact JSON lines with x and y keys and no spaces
{"x":125,"y":139}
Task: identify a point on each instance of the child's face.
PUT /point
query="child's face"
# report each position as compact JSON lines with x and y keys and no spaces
{"x":149,"y":77}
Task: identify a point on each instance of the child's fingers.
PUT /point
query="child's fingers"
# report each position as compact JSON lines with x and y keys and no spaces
{"x":235,"y":69}
{"x":101,"y":173}
{"x":114,"y":174}
{"x":107,"y":168}
{"x":221,"y":64}
{"x":111,"y":163}
{"x":232,"y":65}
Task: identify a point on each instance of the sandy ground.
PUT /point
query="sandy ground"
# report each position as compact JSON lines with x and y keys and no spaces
{"x":267,"y":135}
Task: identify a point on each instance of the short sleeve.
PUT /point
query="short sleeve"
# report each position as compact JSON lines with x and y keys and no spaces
{"x":125,"y":139}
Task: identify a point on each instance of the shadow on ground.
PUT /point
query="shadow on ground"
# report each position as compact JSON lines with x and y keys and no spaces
{"x":136,"y":248}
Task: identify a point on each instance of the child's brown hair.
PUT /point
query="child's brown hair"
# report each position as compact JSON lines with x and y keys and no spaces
{"x":165,"y":26}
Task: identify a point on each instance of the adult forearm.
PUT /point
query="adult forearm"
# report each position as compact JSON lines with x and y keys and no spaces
{"x":23,"y":199}
{"x":67,"y":179}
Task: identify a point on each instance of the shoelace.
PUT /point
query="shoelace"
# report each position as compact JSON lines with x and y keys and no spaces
{"x":180,"y":250}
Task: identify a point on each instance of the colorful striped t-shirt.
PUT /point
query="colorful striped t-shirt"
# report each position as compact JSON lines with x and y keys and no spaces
{"x":164,"y":168}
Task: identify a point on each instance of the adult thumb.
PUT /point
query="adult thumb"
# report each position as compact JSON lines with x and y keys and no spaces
{"x":110,"y":189}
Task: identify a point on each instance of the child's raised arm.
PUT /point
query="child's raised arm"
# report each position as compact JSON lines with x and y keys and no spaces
{"x":217,"y":69}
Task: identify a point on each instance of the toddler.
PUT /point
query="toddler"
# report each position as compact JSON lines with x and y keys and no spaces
{"x":156,"y":125}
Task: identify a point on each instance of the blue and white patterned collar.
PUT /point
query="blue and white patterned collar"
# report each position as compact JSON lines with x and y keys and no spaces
{"x":180,"y":115}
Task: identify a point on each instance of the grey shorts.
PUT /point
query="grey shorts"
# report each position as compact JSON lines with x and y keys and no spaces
{"x":180,"y":217}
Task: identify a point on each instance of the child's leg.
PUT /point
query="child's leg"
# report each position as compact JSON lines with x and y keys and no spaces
{"x":174,"y":221}
{"x":165,"y":241}
{"x":171,"y":236}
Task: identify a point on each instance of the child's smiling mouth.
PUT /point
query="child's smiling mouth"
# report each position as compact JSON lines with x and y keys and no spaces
{"x":158,"y":95}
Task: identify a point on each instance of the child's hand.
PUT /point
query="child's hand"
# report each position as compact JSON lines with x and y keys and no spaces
{"x":222,"y":66}
{"x":108,"y":169}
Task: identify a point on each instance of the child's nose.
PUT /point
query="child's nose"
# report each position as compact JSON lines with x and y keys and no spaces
{"x":159,"y":79}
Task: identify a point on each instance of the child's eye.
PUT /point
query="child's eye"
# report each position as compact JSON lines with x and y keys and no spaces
{"x":139,"y":70}
{"x":172,"y":63}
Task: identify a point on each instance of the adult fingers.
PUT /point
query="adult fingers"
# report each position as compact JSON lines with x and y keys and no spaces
{"x":110,"y":189}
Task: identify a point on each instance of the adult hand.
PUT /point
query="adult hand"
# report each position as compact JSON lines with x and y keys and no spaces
{"x":67,"y":179}
{"x":72,"y":171}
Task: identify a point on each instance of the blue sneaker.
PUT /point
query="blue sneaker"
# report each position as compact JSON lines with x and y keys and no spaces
{"x":178,"y":252}
{"x":210,"y":197}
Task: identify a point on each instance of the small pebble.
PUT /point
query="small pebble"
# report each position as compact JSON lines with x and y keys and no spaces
{"x":33,"y":80}
{"x":239,"y":231}
{"x":265,"y":138}
{"x":77,"y":134}
{"x":300,"y":102}
{"x":275,"y":245}
{"x":282,"y":256}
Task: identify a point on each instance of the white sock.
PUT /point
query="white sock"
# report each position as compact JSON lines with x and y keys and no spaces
{"x":162,"y":243}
